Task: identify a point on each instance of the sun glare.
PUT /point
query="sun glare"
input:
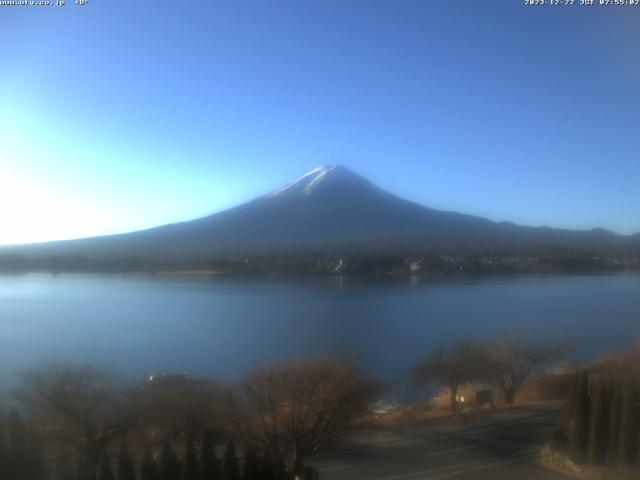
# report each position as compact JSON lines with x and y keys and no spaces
{"x":32,"y":213}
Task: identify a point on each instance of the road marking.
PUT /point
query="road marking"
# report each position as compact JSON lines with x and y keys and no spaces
{"x":423,"y":434}
{"x":426,"y":432}
{"x":444,"y":452}
{"x":431,"y":470}
{"x":466,"y":433}
{"x":485,"y":467}
{"x":331,"y":469}
{"x":530,"y":453}
{"x":432,"y":454}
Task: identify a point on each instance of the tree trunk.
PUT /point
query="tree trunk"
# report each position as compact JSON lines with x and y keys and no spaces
{"x":86,"y":471}
{"x":298,"y":466}
{"x":628,"y":442}
{"x":615,"y":420}
{"x":454,"y":399}
{"x":580,"y":422}
{"x":598,"y":429}
{"x":88,"y":463}
{"x":510,"y":395}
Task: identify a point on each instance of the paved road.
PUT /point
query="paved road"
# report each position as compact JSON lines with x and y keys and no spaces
{"x":491,"y":445}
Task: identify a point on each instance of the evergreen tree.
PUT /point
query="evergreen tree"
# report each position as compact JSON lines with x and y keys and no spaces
{"x":569,"y":402}
{"x":17,"y":458}
{"x":209,"y":468}
{"x":231,"y":470}
{"x":126,"y":469}
{"x":598,"y":429}
{"x":281,"y":471}
{"x":148,"y":468}
{"x":36,"y":468}
{"x":251,"y":465}
{"x":190,"y":462}
{"x":3,"y":447}
{"x":615,"y":420}
{"x":169,"y":463}
{"x":104,"y":468}
{"x":63,"y":469}
{"x":17,"y":433}
{"x":310,"y":474}
{"x":628,"y":443}
{"x":85,"y":470}
{"x":579,"y":426}
{"x":267,"y":469}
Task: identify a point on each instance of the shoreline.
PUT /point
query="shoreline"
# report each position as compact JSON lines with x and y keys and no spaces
{"x":293,"y":274}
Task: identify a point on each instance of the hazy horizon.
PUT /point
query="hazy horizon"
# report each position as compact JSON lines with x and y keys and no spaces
{"x":271,"y":192}
{"x":502,"y":111}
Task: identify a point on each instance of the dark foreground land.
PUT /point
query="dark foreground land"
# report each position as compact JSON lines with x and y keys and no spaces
{"x":490,"y":445}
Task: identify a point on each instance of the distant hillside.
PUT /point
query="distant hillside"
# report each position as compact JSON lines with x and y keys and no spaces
{"x":332,"y":210}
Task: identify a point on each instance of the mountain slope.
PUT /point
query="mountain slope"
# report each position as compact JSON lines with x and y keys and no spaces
{"x":334,"y":210}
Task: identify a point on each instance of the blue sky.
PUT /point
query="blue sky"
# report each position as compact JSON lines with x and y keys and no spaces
{"x":123,"y":115}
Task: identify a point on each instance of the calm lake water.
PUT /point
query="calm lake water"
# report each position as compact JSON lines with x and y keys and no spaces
{"x":224,"y":327}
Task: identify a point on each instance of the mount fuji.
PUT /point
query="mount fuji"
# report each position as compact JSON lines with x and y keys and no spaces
{"x":333,"y":210}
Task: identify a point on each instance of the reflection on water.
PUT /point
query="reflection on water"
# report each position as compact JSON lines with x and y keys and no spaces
{"x":223,"y":327}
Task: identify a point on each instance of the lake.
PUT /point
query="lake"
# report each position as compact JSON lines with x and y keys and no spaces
{"x":225,"y":327}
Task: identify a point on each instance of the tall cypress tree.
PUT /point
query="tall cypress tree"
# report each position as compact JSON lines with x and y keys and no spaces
{"x":169,"y":463}
{"x":310,"y":473}
{"x":628,"y":443}
{"x":209,"y":468}
{"x":37,"y":468}
{"x":148,"y":467}
{"x":3,"y":447}
{"x":598,"y":429}
{"x":615,"y":420}
{"x":17,"y":432}
{"x":17,"y":459}
{"x":579,"y":427}
{"x":569,"y":403}
{"x":231,"y":470}
{"x":281,"y":471}
{"x":63,"y":469}
{"x":251,"y":469}
{"x":104,"y":468}
{"x":267,"y":469}
{"x":190,"y":462}
{"x":126,"y":469}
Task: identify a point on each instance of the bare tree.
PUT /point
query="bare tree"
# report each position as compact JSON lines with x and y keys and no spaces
{"x":454,"y":366}
{"x":292,"y":411}
{"x":512,"y":361}
{"x":177,"y":404}
{"x":81,"y":407}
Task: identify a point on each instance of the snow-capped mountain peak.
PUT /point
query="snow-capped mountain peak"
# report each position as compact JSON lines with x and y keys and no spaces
{"x":328,"y":177}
